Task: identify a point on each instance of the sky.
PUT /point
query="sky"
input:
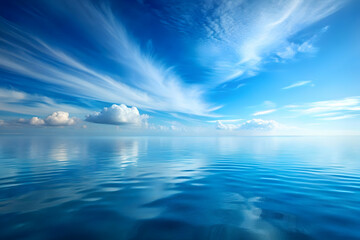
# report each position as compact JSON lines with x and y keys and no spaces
{"x":158,"y":67}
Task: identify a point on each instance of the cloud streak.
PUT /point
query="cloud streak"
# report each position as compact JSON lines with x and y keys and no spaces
{"x":149,"y":84}
{"x":264,"y":112}
{"x":331,"y":109}
{"x":297,"y":84}
{"x":237,"y":37}
{"x":16,"y":101}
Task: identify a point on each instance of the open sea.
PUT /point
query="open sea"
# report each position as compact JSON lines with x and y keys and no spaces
{"x":179,"y":188}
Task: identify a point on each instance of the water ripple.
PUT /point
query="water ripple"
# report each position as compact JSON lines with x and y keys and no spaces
{"x":179,"y":188}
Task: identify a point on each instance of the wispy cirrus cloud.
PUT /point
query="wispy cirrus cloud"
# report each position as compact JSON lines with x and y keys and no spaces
{"x":237,"y":37}
{"x":297,"y":84}
{"x":149,"y":83}
{"x":264,"y":112}
{"x":16,"y":101}
{"x":292,"y":49}
{"x":341,"y":117}
{"x":329,"y":110}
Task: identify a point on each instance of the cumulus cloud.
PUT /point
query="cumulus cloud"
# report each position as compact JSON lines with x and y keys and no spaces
{"x":118,"y":115}
{"x":253,"y":124}
{"x":58,"y":118}
{"x":36,"y":121}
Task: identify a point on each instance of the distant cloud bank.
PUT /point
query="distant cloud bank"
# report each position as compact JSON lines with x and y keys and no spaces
{"x":253,"y":124}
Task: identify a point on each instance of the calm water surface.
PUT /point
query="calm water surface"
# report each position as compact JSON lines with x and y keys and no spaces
{"x":179,"y":188}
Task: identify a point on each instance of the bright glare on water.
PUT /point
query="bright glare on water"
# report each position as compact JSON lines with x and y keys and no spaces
{"x":179,"y":188}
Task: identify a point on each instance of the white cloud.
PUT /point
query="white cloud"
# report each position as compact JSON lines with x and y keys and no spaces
{"x":118,"y":115}
{"x":11,"y":96}
{"x":236,"y":37}
{"x":340,"y":117}
{"x":350,"y":103}
{"x":292,"y":106}
{"x":243,"y":32}
{"x":297,"y":84}
{"x":147,"y":83}
{"x":254,"y":124}
{"x":35,"y":121}
{"x":264,"y":112}
{"x":292,"y":49}
{"x":21,"y":102}
{"x":158,"y":127}
{"x":227,"y":126}
{"x":288,"y":52}
{"x":225,"y":120}
{"x":58,"y":118}
{"x":259,"y":124}
{"x":171,"y":126}
{"x":269,"y":104}
{"x":330,"y":110}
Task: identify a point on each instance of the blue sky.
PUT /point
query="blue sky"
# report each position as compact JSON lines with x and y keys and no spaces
{"x":180,"y":67}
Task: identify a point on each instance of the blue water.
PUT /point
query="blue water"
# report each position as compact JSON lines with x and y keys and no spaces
{"x":179,"y":188}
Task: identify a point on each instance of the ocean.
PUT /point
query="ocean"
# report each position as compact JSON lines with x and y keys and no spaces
{"x":179,"y":187}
